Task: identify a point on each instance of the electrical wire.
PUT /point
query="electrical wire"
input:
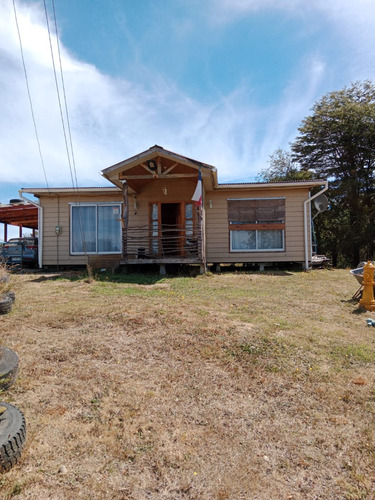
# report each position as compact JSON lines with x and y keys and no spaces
{"x":64,"y":95}
{"x":29,"y":94}
{"x":58,"y":94}
{"x":70,"y":154}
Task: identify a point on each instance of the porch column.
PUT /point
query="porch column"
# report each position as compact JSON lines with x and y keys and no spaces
{"x":125,"y":221}
{"x":202,"y":243}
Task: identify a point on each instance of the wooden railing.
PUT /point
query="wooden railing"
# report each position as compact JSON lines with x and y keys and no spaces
{"x":170,"y":241}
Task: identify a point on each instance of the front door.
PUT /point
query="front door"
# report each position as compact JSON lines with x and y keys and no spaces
{"x":170,"y":229}
{"x":173,"y":229}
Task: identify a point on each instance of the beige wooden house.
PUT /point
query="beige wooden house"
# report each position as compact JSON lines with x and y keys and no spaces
{"x":148,"y":216}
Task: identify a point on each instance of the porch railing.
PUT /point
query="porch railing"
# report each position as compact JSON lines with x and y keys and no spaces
{"x":170,"y":241}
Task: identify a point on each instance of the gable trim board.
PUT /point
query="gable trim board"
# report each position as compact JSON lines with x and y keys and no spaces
{"x":160,"y":176}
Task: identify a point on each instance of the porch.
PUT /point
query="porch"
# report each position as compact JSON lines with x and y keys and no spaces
{"x":164,"y":244}
{"x":162,"y":221}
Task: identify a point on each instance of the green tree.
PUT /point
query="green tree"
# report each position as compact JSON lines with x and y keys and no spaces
{"x":337,"y":143}
{"x":282,"y":168}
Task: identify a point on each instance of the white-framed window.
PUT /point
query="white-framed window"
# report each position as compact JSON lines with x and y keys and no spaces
{"x":95,"y":228}
{"x":256,"y":224}
{"x":255,"y":241}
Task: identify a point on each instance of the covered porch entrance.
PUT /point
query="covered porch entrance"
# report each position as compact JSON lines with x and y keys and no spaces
{"x":161,"y":224}
{"x":174,"y":230}
{"x":173,"y":235}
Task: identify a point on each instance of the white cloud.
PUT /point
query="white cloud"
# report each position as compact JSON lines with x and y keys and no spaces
{"x":353,"y":21}
{"x":334,"y":7}
{"x":112,"y":119}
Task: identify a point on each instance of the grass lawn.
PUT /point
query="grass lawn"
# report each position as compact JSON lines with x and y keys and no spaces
{"x":226,"y":386}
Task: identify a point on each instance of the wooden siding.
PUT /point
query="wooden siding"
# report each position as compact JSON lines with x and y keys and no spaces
{"x":56,"y":248}
{"x":56,"y":212}
{"x":217,"y":230}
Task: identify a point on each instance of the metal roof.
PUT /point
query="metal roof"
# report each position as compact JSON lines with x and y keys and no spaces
{"x":70,"y":189}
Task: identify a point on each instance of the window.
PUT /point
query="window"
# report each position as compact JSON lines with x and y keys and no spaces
{"x":256,"y":224}
{"x":95,"y":228}
{"x":252,"y":241}
{"x":154,"y":220}
{"x":189,"y":220}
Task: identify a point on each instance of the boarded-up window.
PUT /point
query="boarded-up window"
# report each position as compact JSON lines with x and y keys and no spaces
{"x":256,"y":210}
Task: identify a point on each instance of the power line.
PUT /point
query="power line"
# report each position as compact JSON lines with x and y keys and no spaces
{"x":64,"y":94}
{"x":70,"y":160}
{"x":70,"y":154}
{"x":58,"y":94}
{"x":29,"y":94}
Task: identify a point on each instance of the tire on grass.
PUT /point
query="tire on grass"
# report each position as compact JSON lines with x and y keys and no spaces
{"x":12,"y":296}
{"x":6,"y":303}
{"x":12,"y":435}
{"x":8,"y":368}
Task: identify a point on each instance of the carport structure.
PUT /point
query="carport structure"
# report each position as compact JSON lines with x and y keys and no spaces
{"x":23,"y":215}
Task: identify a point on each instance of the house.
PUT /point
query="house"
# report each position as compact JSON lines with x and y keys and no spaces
{"x":148,"y":216}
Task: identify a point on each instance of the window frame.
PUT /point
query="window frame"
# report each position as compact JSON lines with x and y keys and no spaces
{"x":256,"y":226}
{"x":118,"y":204}
{"x":254,"y":250}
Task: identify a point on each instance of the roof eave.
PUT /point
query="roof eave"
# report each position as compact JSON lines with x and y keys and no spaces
{"x":150,"y":153}
{"x":272,"y":185}
{"x":47,"y":191}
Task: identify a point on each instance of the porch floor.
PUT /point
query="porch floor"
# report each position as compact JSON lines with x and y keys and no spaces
{"x":162,"y":260}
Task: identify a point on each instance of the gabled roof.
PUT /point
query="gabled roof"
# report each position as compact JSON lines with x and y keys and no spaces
{"x":168,"y":159}
{"x":209,"y":172}
{"x":151,"y":153}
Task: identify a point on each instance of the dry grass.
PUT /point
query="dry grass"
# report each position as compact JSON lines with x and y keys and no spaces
{"x":231,"y":386}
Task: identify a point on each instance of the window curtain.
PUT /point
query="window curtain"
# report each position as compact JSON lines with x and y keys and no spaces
{"x":83,"y":229}
{"x":109,"y":236}
{"x":268,"y":240}
{"x":243,"y":240}
{"x":257,"y":240}
{"x":96,"y":229}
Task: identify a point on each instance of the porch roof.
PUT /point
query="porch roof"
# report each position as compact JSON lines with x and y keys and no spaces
{"x":168,"y":165}
{"x":25,"y":215}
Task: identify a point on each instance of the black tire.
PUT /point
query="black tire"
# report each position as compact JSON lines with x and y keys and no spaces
{"x":12,"y":435}
{"x":6,"y":303}
{"x":8,"y":368}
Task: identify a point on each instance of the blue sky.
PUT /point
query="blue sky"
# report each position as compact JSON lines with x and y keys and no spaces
{"x":226,"y":82}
